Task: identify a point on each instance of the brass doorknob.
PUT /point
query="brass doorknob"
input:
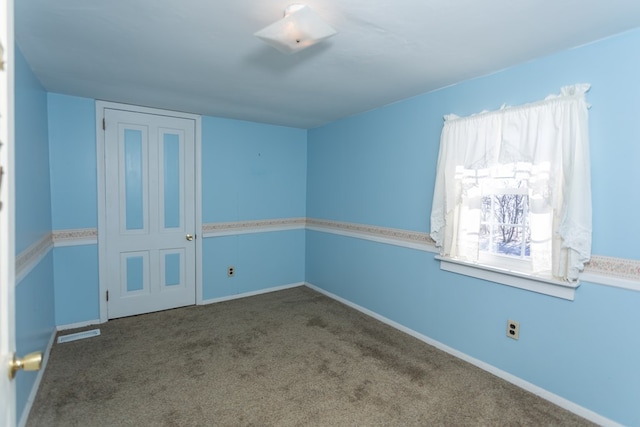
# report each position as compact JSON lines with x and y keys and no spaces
{"x":189,"y":237}
{"x":31,"y":362}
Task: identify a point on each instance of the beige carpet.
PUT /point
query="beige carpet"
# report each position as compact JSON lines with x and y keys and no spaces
{"x":289,"y":358}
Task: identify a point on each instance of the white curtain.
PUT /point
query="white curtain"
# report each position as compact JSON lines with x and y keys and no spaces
{"x":545,"y":143}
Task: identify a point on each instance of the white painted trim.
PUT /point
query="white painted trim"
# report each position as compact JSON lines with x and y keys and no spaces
{"x":78,"y":242}
{"x":235,"y":232}
{"x":373,"y":238}
{"x":102,"y":209}
{"x":29,"y":259}
{"x":78,"y":325}
{"x":75,"y":237}
{"x":24,"y":417}
{"x":217,"y":229}
{"x":615,"y":272}
{"x":391,"y":236}
{"x":532,"y":388}
{"x":614,"y":282}
{"x":102,"y":220}
{"x":541,"y":285}
{"x":101,"y":105}
{"x":253,"y":293}
{"x":7,"y":214}
{"x":198,"y":197}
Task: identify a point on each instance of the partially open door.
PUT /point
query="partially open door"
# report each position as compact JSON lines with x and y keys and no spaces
{"x":7,"y":246}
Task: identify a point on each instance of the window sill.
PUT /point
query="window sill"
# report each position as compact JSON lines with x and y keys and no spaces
{"x":542,"y":285}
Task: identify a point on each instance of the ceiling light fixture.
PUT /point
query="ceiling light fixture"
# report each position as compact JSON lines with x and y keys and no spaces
{"x":299,"y":29}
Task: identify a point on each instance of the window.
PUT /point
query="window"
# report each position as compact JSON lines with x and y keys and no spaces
{"x":512,"y":190}
{"x":504,"y":220}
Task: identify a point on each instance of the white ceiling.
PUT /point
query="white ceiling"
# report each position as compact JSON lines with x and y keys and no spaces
{"x":201,"y":56}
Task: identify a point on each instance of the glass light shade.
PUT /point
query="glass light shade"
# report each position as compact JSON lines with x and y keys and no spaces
{"x":299,"y":29}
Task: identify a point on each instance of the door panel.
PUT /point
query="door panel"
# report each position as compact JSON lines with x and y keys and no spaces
{"x":150,"y":209}
{"x":134,"y":268}
{"x":172,"y":157}
{"x":133,"y":167}
{"x":172,"y":267}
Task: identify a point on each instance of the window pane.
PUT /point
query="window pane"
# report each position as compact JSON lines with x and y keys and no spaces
{"x":504,"y":219}
{"x":133,"y":178}
{"x":171,"y":180}
{"x":486,"y":209}
{"x":508,"y":240}
{"x":509,"y":208}
{"x":485,"y":237}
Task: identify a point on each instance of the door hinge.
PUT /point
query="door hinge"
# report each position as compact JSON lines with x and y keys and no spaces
{"x":104,"y":124}
{"x":107,"y":295}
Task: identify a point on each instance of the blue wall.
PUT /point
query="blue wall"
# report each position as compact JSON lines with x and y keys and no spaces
{"x":34,"y":293}
{"x":379,"y":168}
{"x":261,"y":261}
{"x":33,"y":198}
{"x":72,"y":142}
{"x":77,"y":286}
{"x":252,"y":171}
{"x":74,"y":204}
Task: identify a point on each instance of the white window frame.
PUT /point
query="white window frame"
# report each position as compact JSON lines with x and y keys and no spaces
{"x":510,"y":270}
{"x":528,"y":281}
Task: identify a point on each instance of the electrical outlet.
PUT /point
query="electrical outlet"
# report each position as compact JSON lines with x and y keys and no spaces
{"x":231,"y":271}
{"x":513,"y":329}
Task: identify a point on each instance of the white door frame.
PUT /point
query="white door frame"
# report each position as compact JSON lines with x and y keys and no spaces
{"x":7,"y":217}
{"x":102,"y":220}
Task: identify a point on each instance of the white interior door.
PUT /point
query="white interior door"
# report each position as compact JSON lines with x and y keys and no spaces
{"x":150,"y":212}
{"x":7,"y":254}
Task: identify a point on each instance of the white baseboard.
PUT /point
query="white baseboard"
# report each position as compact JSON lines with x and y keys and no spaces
{"x":253,"y":293}
{"x":36,"y":385}
{"x":78,"y":325}
{"x":539,"y":391}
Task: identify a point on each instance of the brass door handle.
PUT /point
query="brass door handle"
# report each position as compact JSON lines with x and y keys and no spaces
{"x":31,"y":362}
{"x":189,"y":237}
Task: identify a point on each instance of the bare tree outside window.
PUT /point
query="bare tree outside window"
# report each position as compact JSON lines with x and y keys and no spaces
{"x":504,"y":226}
